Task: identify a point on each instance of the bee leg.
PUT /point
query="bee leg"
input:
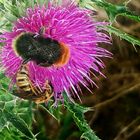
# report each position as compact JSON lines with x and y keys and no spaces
{"x":48,"y":97}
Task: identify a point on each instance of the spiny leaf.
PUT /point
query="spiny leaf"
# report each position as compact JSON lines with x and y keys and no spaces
{"x":18,"y":8}
{"x":77,"y":112}
{"x":18,"y":123}
{"x":124,"y":35}
{"x":55,"y":112}
{"x":7,"y":114}
{"x":11,"y":10}
{"x":114,"y":10}
{"x":16,"y":112}
{"x":10,"y":134}
{"x":88,"y":135}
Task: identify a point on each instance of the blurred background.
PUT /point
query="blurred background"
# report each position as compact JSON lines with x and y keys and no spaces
{"x":116,"y":104}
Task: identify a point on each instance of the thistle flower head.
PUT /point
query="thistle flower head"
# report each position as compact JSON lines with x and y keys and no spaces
{"x":71,"y":26}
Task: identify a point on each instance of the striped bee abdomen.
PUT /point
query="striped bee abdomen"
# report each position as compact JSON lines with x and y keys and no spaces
{"x":22,"y":79}
{"x":27,"y":90}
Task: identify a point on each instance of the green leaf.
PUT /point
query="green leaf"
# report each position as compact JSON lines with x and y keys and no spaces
{"x":4,"y":83}
{"x":10,"y":134}
{"x":13,"y":112}
{"x":88,"y":135}
{"x":42,"y":2}
{"x":2,"y":75}
{"x":113,"y":10}
{"x":88,"y":4}
{"x":55,"y":112}
{"x":9,"y":113}
{"x":25,"y":111}
{"x":18,"y":123}
{"x":77,"y":112}
{"x":11,"y":10}
{"x":123,"y":35}
{"x":18,"y":8}
{"x":3,"y":122}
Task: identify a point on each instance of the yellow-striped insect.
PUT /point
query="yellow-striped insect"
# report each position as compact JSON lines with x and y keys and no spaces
{"x":27,"y":90}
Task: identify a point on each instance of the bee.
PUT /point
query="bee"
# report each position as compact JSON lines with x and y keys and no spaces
{"x":44,"y":51}
{"x":27,"y":90}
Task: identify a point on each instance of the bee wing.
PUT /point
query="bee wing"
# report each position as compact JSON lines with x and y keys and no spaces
{"x":22,"y":94}
{"x":26,"y":95}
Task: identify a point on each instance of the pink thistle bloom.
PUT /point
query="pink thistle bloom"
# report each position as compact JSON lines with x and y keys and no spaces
{"x":70,"y":25}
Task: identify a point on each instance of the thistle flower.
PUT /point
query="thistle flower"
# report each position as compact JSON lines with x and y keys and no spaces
{"x":70,"y":25}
